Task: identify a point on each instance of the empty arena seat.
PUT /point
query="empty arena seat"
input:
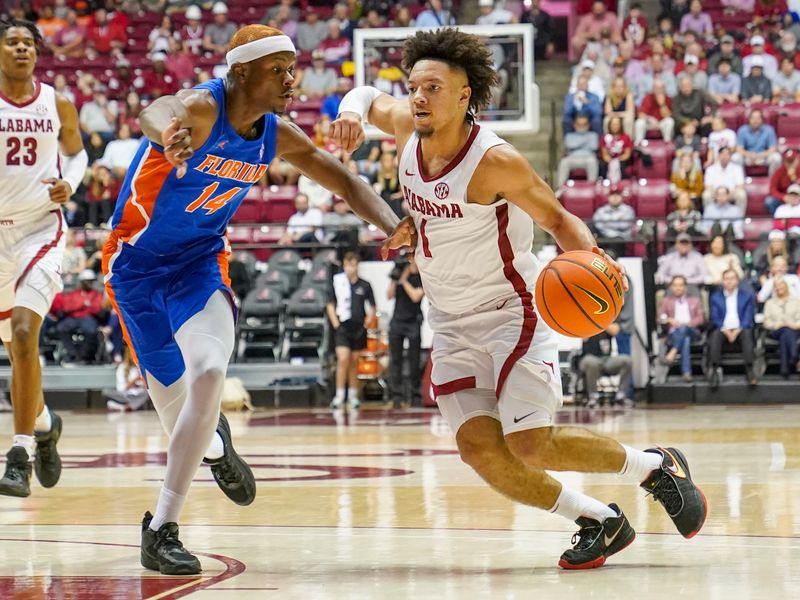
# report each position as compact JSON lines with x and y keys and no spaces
{"x":651,"y":198}
{"x":278,"y":210}
{"x":754,"y":230}
{"x":788,"y":127}
{"x":280,"y":192}
{"x":757,"y":189}
{"x":734,"y":114}
{"x":578,"y":197}
{"x":248,"y":212}
{"x":240,"y":235}
{"x":660,"y":160}
{"x":277,"y":280}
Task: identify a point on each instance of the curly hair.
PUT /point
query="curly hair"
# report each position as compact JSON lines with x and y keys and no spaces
{"x":460,"y":50}
{"x":6,"y":25}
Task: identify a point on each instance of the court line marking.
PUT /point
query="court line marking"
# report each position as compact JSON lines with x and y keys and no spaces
{"x":401,"y":528}
{"x":233,"y":567}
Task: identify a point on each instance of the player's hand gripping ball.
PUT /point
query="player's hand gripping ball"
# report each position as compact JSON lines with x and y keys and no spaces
{"x":579,"y":293}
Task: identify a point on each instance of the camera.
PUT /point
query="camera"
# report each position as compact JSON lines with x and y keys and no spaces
{"x":400,"y":263}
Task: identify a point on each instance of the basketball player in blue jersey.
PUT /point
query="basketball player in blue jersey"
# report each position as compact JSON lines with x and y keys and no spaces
{"x":166,"y":260}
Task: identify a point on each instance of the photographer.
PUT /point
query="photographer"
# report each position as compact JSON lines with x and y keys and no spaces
{"x":406,"y":289}
{"x":348,"y":296}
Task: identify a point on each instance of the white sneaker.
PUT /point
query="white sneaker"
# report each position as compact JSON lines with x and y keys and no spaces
{"x":353,"y":403}
{"x":337,"y":402}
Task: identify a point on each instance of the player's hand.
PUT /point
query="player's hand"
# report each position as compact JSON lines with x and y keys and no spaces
{"x":177,"y":142}
{"x":347,"y":131}
{"x":60,"y":190}
{"x":405,"y":234}
{"x":620,"y":269}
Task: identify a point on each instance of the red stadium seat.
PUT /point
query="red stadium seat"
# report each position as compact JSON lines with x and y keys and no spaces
{"x":578,"y":197}
{"x":757,"y":189}
{"x":280,"y":192}
{"x":278,"y":210}
{"x":652,"y":198}
{"x":248,"y":212}
{"x":240,"y":235}
{"x":734,"y":115}
{"x":788,"y":126}
{"x":754,"y":229}
{"x":660,"y":154}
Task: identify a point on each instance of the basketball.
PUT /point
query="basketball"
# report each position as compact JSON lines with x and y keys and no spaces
{"x":579,"y":293}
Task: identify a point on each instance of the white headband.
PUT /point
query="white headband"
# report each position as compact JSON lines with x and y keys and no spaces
{"x":258,"y":48}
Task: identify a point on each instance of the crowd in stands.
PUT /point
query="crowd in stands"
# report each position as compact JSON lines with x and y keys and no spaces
{"x":691,"y":120}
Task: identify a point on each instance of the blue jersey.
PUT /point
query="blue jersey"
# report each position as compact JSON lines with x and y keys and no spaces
{"x":167,"y":216}
{"x":167,"y":253}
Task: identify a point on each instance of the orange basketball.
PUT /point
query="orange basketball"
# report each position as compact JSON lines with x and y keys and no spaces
{"x":579,"y":293}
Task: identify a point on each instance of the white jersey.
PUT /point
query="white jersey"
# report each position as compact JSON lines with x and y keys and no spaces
{"x":468,"y":254}
{"x":29,"y":151}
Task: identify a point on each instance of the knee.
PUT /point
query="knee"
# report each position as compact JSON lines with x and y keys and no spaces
{"x":479,"y":452}
{"x":25,"y":335}
{"x":532,"y":446}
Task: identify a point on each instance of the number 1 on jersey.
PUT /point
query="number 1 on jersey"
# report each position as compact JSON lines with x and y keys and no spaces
{"x":212,"y":205}
{"x":426,"y":251}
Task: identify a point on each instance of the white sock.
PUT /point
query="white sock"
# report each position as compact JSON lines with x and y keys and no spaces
{"x":168,"y":508}
{"x":44,"y":421}
{"x":216,"y":449}
{"x":340,"y":393}
{"x":352,"y":395}
{"x":27,"y":442}
{"x":639,"y":464}
{"x":572,"y":504}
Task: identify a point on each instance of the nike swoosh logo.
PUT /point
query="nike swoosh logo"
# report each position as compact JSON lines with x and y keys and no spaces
{"x":675,"y":468}
{"x":409,"y":174}
{"x":608,"y":540}
{"x":601,"y":303}
{"x":502,"y":304}
{"x":518,"y":419}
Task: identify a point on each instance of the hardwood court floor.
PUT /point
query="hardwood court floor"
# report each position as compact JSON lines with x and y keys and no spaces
{"x":381,"y":507}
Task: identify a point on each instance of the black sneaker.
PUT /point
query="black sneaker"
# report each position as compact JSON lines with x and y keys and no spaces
{"x":17,"y":479}
{"x":162,"y":551}
{"x":47,"y":462}
{"x":672,"y":486}
{"x":596,"y":541}
{"x":233,"y":476}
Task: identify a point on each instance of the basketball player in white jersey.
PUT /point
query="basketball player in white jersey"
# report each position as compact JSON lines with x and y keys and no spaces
{"x":473,"y":199}
{"x":36,"y":125}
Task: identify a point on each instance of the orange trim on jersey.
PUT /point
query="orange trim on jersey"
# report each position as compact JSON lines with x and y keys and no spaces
{"x":222,"y":260}
{"x":145,"y":187}
{"x":109,"y":250}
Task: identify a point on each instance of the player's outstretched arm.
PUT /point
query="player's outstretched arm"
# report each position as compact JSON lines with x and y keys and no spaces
{"x":295,"y":147}
{"x":74,"y":158}
{"x":368,"y":105}
{"x":180,"y":124}
{"x":505,"y":168}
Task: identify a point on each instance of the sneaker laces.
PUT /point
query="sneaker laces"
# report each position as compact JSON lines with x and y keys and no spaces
{"x":585,"y":536}
{"x":168,"y":538}
{"x":666,"y":492}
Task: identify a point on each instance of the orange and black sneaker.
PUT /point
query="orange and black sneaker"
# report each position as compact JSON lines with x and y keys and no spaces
{"x":672,"y":486}
{"x":596,"y":541}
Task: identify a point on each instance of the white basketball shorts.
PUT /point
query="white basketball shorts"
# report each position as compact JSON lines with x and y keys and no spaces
{"x":30,"y":266}
{"x":499,"y":361}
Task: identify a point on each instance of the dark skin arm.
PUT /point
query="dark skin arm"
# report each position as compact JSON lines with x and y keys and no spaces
{"x":70,"y":143}
{"x":180,"y":123}
{"x":296,"y":148}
